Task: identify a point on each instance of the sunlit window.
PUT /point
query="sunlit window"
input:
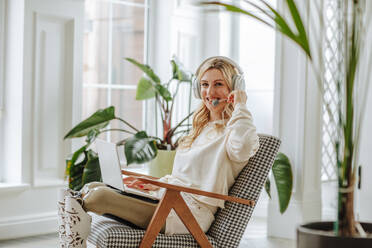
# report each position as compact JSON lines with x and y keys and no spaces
{"x":257,"y":57}
{"x":114,"y":30}
{"x":2,"y":51}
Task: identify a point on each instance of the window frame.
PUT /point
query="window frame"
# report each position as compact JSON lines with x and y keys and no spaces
{"x":2,"y":52}
{"x":2,"y":78}
{"x":109,"y":86}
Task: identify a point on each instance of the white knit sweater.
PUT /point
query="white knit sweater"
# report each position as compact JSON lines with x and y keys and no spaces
{"x":212,"y":163}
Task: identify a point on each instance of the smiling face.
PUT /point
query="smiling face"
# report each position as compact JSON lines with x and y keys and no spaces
{"x":214,"y":86}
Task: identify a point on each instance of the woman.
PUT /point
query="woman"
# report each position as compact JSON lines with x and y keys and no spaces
{"x":222,"y":140}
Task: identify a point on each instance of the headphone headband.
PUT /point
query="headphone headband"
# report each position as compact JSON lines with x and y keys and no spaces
{"x":230,"y":61}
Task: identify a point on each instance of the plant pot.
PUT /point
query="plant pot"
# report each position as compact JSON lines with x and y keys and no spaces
{"x":162,"y":164}
{"x":317,"y":235}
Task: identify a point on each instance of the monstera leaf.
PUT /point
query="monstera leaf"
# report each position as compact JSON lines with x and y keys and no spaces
{"x":98,"y":120}
{"x":74,"y":169}
{"x":86,"y":171}
{"x":92,"y":170}
{"x":140,"y":148}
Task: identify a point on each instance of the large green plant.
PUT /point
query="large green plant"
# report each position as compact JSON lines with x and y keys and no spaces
{"x":83,"y":166}
{"x":350,"y":108}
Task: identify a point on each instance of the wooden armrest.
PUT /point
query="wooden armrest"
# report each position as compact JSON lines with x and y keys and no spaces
{"x":197,"y":191}
{"x":130,"y":173}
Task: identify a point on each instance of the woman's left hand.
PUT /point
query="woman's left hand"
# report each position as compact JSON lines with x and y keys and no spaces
{"x":136,"y":183}
{"x":237,"y":96}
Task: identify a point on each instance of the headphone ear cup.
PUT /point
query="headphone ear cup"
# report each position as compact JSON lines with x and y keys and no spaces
{"x":196,"y":88}
{"x":238,"y":82}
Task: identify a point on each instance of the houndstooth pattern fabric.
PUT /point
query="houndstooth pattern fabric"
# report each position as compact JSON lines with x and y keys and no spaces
{"x":230,"y":223}
{"x":110,"y":233}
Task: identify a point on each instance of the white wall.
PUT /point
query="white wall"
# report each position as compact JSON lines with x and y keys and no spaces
{"x":364,"y":195}
{"x":42,"y":78}
{"x":297,"y":123}
{"x":2,"y":52}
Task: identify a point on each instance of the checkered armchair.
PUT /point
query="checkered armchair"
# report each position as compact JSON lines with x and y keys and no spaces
{"x":230,"y":222}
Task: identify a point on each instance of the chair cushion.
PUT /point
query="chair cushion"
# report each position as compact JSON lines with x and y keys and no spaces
{"x":110,"y":233}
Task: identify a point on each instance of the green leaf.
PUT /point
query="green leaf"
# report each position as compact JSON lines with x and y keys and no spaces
{"x":281,"y":23}
{"x":145,"y":89}
{"x":76,"y":172}
{"x":71,"y":162}
{"x":91,"y":136}
{"x":179,"y":73}
{"x":283,"y":179}
{"x":232,"y":8}
{"x":146,"y":69}
{"x":267,"y":187}
{"x":92,"y":170}
{"x":299,"y":25}
{"x":98,"y":120}
{"x":164,"y":92}
{"x":140,"y":148}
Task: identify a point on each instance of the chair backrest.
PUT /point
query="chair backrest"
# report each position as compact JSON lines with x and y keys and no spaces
{"x":231,"y":221}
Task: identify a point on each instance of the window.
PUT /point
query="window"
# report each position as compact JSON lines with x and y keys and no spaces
{"x":257,"y":59}
{"x":333,"y":59}
{"x":333,"y":44}
{"x":114,"y":30}
{"x":2,"y":52}
{"x":252,"y":45}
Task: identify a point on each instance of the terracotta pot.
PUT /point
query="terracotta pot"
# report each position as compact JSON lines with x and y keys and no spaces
{"x":163,"y":163}
{"x":316,"y":235}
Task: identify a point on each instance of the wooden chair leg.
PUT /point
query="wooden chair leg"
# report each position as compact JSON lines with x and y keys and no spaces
{"x":173,"y":199}
{"x":190,"y":222}
{"x":158,"y":220}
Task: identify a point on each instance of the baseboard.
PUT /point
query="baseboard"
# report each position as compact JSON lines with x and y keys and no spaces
{"x":28,"y":225}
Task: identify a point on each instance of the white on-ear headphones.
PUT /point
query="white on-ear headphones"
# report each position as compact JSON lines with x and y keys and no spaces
{"x":238,"y":82}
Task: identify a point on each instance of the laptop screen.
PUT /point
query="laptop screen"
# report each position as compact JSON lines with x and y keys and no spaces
{"x":109,"y":163}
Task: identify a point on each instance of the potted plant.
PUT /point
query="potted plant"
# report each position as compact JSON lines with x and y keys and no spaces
{"x":345,"y":231}
{"x":140,"y":147}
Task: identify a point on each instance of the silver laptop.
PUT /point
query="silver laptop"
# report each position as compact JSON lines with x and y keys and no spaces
{"x":111,"y":169}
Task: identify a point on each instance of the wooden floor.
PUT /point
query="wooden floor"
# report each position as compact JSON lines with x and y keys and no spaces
{"x":254,"y":237}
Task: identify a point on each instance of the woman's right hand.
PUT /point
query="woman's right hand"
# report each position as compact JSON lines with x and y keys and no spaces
{"x":237,"y":96}
{"x":135,"y":183}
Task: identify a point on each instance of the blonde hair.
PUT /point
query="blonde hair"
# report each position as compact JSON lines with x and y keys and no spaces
{"x":201,"y":116}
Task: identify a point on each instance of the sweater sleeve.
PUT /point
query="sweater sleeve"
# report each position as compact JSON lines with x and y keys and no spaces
{"x":242,"y":141}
